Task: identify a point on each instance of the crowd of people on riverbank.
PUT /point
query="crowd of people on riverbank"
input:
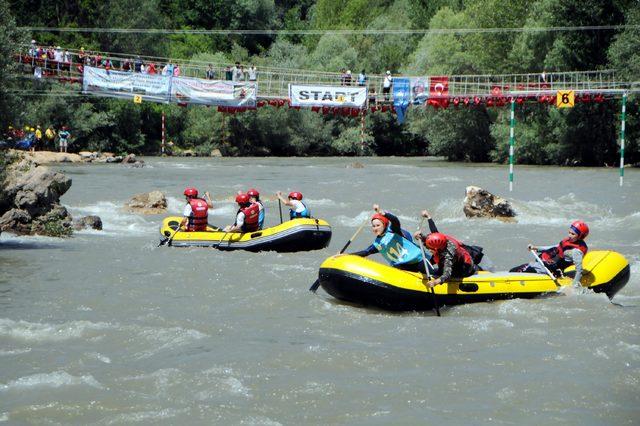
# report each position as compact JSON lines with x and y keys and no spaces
{"x":34,"y":139}
{"x":447,"y":258}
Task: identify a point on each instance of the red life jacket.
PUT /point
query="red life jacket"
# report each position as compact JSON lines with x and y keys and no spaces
{"x":199,"y":215}
{"x":462,"y":255}
{"x":251,"y":217}
{"x":554,"y":257}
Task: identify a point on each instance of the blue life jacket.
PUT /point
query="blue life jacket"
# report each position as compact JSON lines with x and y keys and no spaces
{"x":261,"y":215}
{"x":396,"y":249}
{"x":304,"y":213}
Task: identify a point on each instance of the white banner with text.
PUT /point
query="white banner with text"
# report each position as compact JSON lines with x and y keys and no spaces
{"x":330,"y":96}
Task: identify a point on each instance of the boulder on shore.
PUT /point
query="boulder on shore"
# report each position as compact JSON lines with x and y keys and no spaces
{"x":92,"y":222}
{"x":479,"y":202}
{"x":30,"y":199}
{"x":153,"y":202}
{"x":45,"y":157}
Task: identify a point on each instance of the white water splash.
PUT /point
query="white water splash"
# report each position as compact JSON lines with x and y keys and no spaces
{"x":38,"y":332}
{"x":56,"y":379}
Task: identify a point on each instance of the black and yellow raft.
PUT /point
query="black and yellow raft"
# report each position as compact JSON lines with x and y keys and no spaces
{"x":290,"y":236}
{"x":359,"y":280}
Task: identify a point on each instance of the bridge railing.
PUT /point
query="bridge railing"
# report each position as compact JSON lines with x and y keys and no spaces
{"x":273,"y":82}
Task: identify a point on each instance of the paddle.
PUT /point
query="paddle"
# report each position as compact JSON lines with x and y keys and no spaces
{"x":221,"y":241}
{"x":427,"y":264}
{"x":316,"y":283}
{"x":280,"y":208}
{"x":168,"y":240}
{"x":555,"y":280}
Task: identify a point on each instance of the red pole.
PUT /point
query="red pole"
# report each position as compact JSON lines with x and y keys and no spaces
{"x":163,"y":138}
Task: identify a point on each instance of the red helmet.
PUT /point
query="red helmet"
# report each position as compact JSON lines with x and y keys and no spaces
{"x":580,"y":228}
{"x":242,"y":198}
{"x":295,"y":195}
{"x":253,"y":193}
{"x":436,"y":241}
{"x":381,"y":218}
{"x":191,"y":192}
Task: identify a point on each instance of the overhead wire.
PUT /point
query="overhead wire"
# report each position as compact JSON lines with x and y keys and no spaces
{"x":433,"y":31}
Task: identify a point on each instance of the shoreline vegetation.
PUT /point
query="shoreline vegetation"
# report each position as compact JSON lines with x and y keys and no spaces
{"x":586,"y":135}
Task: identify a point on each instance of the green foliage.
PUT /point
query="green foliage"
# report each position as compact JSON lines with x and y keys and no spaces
{"x":585,"y":135}
{"x":457,"y":134}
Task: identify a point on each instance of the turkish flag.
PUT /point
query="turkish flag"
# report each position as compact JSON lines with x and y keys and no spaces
{"x":438,"y":86}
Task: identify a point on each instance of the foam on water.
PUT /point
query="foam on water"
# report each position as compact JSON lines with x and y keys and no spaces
{"x":146,"y":416}
{"x":37,"y":332}
{"x":115,"y":219}
{"x":55,"y":379}
{"x":169,"y":338}
{"x":353,"y":222}
{"x":4,"y":352}
{"x":325,"y":202}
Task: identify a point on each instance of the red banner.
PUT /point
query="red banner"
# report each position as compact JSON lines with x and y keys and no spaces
{"x":438,"y":86}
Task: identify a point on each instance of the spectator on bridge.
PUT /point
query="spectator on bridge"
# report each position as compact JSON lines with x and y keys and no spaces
{"x":348,"y":78}
{"x":137,"y":64}
{"x":151,"y":69}
{"x":343,"y":77}
{"x":210,"y":73}
{"x":386,"y":85}
{"x":33,"y":49}
{"x":176,"y":70}
{"x":237,"y":73}
{"x":81,"y":55}
{"x":253,"y":73}
{"x":373,"y":99}
{"x":362,"y":78}
{"x":228,"y":73}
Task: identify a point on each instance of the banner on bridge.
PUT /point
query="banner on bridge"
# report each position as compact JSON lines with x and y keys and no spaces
{"x":163,"y":88}
{"x":213,"y":92}
{"x":329,"y":96}
{"x":103,"y":82}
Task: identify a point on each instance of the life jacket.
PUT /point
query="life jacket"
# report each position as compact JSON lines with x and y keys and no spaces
{"x":199,"y":215}
{"x":251,"y":217}
{"x":304,"y":213}
{"x":396,"y":249}
{"x":260,"y":215}
{"x":554,"y":257}
{"x":462,"y":255}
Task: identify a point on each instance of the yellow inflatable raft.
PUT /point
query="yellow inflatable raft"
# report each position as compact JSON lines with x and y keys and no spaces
{"x":362,"y":281}
{"x":293,"y":235}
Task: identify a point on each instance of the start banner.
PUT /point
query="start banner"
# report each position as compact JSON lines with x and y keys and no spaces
{"x":103,"y":82}
{"x":329,"y":96}
{"x":213,"y":92}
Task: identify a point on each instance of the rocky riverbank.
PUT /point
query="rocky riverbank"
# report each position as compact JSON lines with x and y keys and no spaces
{"x":30,"y":198}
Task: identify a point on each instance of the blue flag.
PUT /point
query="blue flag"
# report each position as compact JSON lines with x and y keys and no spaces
{"x":401,"y":96}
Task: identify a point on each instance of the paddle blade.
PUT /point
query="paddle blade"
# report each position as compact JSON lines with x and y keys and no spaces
{"x":315,"y":285}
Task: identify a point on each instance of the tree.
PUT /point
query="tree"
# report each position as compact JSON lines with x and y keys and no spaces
{"x":10,"y":39}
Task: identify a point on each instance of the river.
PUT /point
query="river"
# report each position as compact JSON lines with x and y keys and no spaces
{"x":107,"y":328}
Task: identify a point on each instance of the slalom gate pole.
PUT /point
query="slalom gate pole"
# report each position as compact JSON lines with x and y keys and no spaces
{"x":512,"y":142}
{"x":163,"y":135}
{"x":622,"y":129}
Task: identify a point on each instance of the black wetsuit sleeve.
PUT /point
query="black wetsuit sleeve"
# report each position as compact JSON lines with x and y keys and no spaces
{"x":432,"y":225}
{"x":366,"y":252}
{"x":448,"y":256}
{"x":394,"y":222}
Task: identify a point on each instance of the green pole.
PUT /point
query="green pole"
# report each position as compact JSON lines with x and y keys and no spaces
{"x":512,"y":141}
{"x":624,"y":114}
